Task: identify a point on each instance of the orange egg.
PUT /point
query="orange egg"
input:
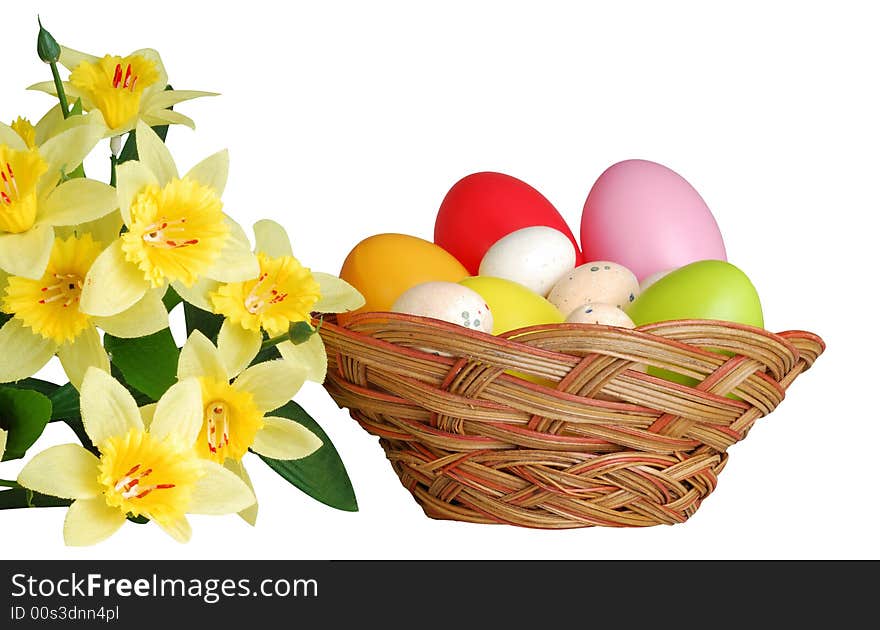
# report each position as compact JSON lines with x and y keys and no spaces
{"x":383,"y":266}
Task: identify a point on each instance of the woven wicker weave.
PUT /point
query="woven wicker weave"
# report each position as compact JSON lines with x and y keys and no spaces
{"x":594,"y":441}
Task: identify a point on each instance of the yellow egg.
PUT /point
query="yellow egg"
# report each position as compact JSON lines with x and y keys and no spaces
{"x":513,"y":305}
{"x":383,"y":266}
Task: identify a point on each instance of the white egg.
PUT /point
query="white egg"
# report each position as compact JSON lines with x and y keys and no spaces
{"x":446,"y":301}
{"x":654,"y":277}
{"x":536,"y":257}
{"x":606,"y":314}
{"x":598,"y":282}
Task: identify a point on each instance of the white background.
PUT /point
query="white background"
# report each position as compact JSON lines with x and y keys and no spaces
{"x":349,"y":119}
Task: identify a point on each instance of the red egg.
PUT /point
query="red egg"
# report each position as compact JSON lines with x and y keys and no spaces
{"x":484,"y":207}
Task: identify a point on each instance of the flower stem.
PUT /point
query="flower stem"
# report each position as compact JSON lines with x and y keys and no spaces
{"x":274,"y":341}
{"x":113,"y":162}
{"x":59,"y":87}
{"x":5,"y":483}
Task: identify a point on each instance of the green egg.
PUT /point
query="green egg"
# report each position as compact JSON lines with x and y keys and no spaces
{"x":707,"y":289}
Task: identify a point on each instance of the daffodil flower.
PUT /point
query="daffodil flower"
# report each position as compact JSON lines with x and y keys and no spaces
{"x":33,"y":203}
{"x":47,"y":319}
{"x":143,"y":471}
{"x":3,"y":435}
{"x":176,"y":233}
{"x":284,"y":292}
{"x":125,"y":90}
{"x":234,"y":414}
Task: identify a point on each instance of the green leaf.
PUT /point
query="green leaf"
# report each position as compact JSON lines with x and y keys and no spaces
{"x":24,"y":498}
{"x":322,"y":474}
{"x":65,"y":402}
{"x":171,"y":299}
{"x":203,"y":321}
{"x":148,"y":364}
{"x":24,"y":414}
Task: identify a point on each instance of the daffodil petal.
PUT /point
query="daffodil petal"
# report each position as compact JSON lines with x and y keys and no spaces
{"x":310,"y":355}
{"x":72,"y":93}
{"x":131,"y":177}
{"x":147,"y":413}
{"x":200,"y":358}
{"x":10,"y":138}
{"x":212,"y":171}
{"x":199,"y":294}
{"x":65,"y":151}
{"x":285,"y":439}
{"x":89,"y":521}
{"x":236,"y":262}
{"x":170,"y":98}
{"x":147,"y":316}
{"x":219,"y":491}
{"x":106,"y":406}
{"x":48,"y":125}
{"x":238,"y":346}
{"x":272,"y":383}
{"x":154,"y":154}
{"x":113,"y":284}
{"x":27,"y":254}
{"x":153,"y":55}
{"x":84,"y":352}
{"x":179,"y":529}
{"x":249,"y":514}
{"x":337,"y":296}
{"x":179,"y":412}
{"x":71,"y":58}
{"x":23,"y":352}
{"x":272,"y":239}
{"x":3,"y":435}
{"x":168,"y":117}
{"x":68,"y":471}
{"x":78,"y":201}
{"x":104,"y":230}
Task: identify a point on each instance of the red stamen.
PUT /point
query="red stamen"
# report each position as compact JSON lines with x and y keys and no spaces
{"x":117,"y":76}
{"x":6,"y":198}
{"x":127,"y":76}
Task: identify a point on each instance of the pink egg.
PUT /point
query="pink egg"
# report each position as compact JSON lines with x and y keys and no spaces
{"x":649,"y":219}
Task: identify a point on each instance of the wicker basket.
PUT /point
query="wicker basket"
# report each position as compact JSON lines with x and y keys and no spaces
{"x":600,"y":442}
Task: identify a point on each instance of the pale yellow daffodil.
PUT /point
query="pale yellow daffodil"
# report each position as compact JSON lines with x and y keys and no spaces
{"x":47,"y":319}
{"x":124,"y":90}
{"x":176,"y":233}
{"x":234,"y":414}
{"x":3,"y":435}
{"x":33,"y":202}
{"x":153,"y":472}
{"x":284,"y":292}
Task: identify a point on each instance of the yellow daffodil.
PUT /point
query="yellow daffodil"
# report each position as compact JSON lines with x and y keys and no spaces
{"x":234,"y":414}
{"x":143,"y":471}
{"x":124,"y":90}
{"x":3,"y":435}
{"x":26,"y":131}
{"x":33,"y":203}
{"x":284,"y":292}
{"x":47,"y":319}
{"x":176,"y":233}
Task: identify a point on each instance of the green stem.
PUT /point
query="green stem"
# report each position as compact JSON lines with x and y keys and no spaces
{"x":113,"y":162}
{"x":59,"y":87}
{"x":274,"y":341}
{"x":5,"y":483}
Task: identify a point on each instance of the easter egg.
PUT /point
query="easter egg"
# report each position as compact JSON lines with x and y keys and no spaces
{"x":448,"y":301}
{"x":707,"y":289}
{"x":597,"y":282}
{"x":383,"y":266}
{"x":483,"y":207}
{"x":513,"y":305}
{"x":606,"y":314}
{"x":535,"y":256}
{"x":648,"y":218}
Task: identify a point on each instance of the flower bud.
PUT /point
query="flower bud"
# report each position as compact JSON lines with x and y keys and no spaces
{"x":47,"y":48}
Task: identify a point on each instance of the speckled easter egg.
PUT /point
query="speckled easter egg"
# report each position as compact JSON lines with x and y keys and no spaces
{"x":536,"y":257}
{"x":597,"y":282}
{"x":649,"y":218}
{"x":600,"y":314}
{"x":447,"y":301}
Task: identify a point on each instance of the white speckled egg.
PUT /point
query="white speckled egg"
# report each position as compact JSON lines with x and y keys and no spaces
{"x":598,"y":282}
{"x":600,"y":314}
{"x":448,"y":301}
{"x":535,"y":257}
